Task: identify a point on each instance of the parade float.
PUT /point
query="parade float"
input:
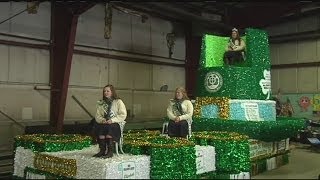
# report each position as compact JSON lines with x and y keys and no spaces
{"x":235,"y":131}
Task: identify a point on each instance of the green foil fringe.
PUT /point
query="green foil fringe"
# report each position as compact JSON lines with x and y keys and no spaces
{"x":267,"y":131}
{"x":52,"y":142}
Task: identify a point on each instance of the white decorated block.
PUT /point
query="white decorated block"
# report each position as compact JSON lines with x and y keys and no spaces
{"x":287,"y":144}
{"x":124,"y":166}
{"x":244,"y":109}
{"x":282,"y":145}
{"x":31,"y":175}
{"x":260,"y":148}
{"x":22,"y":158}
{"x":205,"y":159}
{"x":242,"y":175}
{"x":271,"y":163}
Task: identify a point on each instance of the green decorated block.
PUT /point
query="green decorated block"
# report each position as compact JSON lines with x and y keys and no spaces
{"x":249,"y":79}
{"x":232,"y":150}
{"x":257,"y":51}
{"x":234,"y":82}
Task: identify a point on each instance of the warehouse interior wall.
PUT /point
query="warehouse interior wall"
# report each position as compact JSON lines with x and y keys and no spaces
{"x":296,"y":80}
{"x":138,"y":83}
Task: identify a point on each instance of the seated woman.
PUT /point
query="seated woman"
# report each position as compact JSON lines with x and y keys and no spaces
{"x":110,"y":111}
{"x":179,"y":111}
{"x":235,"y":48}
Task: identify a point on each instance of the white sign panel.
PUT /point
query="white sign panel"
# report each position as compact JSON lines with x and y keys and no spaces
{"x":251,"y":111}
{"x":128,"y":170}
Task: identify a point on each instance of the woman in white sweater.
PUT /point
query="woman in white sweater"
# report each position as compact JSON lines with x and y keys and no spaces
{"x":179,"y":111}
{"x":235,"y":48}
{"x":110,"y":111}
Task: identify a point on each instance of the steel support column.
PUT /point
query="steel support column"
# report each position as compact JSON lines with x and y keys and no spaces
{"x":63,"y":31}
{"x":193,"y":50}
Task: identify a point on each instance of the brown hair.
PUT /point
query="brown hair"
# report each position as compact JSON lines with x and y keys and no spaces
{"x":113,"y":91}
{"x":238,"y":36}
{"x":184,"y":93}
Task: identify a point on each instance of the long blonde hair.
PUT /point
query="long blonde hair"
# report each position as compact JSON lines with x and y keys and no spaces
{"x":184,"y":93}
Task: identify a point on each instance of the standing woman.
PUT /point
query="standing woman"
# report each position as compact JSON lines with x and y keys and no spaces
{"x":179,"y":111}
{"x":110,"y":111}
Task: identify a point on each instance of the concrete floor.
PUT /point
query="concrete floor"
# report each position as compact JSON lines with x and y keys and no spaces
{"x":303,"y":164}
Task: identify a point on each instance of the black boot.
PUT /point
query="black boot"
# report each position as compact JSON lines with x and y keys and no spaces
{"x":102,"y":147}
{"x":110,"y":148}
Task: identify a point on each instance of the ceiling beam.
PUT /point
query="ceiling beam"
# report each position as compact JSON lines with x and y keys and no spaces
{"x":169,"y":16}
{"x":258,"y":16}
{"x":143,"y":9}
{"x":167,"y":8}
{"x":293,"y":17}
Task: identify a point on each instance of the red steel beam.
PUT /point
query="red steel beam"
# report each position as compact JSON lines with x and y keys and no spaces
{"x":63,"y":32}
{"x":193,"y":50}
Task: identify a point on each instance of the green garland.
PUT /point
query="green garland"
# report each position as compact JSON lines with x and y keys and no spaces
{"x":52,"y":142}
{"x":267,"y":131}
{"x":138,"y":142}
{"x":170,"y":157}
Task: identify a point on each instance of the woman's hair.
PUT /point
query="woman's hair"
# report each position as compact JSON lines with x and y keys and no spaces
{"x":113,"y":91}
{"x":184,"y":93}
{"x":238,"y":35}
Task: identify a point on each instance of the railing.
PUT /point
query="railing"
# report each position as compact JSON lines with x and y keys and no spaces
{"x":13,"y":120}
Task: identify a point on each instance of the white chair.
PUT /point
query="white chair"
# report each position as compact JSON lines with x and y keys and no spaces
{"x":166,"y":124}
{"x":119,"y":144}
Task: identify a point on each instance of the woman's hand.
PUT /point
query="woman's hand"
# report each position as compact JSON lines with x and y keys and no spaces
{"x":177,"y":119}
{"x":109,"y":121}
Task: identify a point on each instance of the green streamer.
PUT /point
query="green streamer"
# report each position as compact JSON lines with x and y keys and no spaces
{"x":267,"y":131}
{"x":52,"y":142}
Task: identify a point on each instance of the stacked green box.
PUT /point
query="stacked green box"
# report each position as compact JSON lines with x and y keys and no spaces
{"x":237,"y":83}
